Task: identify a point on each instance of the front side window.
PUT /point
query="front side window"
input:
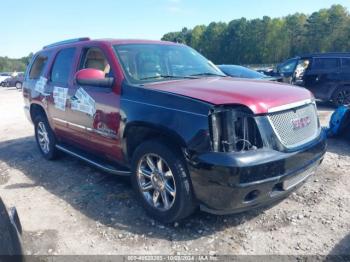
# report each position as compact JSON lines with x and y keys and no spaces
{"x":325,"y":63}
{"x":38,"y":67}
{"x":94,"y":58}
{"x":62,"y":66}
{"x":158,"y":62}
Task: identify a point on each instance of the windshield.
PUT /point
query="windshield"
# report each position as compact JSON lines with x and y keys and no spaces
{"x":158,"y":62}
{"x":288,"y":66}
{"x":240,"y":71}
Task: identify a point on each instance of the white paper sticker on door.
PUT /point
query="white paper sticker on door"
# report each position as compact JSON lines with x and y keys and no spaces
{"x":60,"y":97}
{"x":40,"y":85}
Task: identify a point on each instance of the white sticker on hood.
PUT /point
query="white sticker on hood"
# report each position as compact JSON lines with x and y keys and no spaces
{"x":60,"y":97}
{"x":40,"y":85}
{"x":84,"y":102}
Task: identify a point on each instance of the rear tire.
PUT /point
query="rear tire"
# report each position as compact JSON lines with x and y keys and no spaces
{"x":341,"y":96}
{"x":45,"y":137}
{"x":162,"y":182}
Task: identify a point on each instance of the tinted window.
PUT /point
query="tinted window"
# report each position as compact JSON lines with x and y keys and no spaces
{"x":288,"y":66}
{"x":346,"y":63}
{"x":62,"y":66}
{"x":325,"y":63}
{"x":38,"y":67}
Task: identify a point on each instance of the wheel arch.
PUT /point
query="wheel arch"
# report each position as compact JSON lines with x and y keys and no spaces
{"x":137,"y":132}
{"x":36,"y":109}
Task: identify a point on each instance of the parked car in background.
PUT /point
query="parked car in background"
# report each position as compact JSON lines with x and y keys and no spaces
{"x":244,"y":72}
{"x":161,"y":113}
{"x":326,"y":75}
{"x":14,"y":80}
{"x":3,"y":77}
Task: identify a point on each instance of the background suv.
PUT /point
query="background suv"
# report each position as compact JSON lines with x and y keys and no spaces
{"x":326,"y":75}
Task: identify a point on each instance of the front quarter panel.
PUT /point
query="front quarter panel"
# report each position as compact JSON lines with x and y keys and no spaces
{"x":183,"y":118}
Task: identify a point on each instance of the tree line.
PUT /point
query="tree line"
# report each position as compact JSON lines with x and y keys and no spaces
{"x":14,"y":64}
{"x":269,"y":40}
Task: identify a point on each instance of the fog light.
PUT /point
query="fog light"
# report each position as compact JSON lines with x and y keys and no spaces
{"x":251,"y":196}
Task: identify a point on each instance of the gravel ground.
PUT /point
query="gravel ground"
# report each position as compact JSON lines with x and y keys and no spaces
{"x":67,"y":207}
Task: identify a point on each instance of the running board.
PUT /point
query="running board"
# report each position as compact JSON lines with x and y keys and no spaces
{"x":107,"y":167}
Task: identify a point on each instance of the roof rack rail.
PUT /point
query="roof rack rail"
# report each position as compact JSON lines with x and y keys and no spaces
{"x":69,"y":41}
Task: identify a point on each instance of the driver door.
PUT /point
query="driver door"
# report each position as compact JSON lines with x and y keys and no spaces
{"x":94,"y":111}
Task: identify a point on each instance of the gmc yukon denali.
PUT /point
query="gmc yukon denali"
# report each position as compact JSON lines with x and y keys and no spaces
{"x":187,"y":135}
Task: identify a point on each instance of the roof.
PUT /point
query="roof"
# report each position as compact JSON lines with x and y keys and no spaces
{"x":331,"y":54}
{"x":112,"y":41}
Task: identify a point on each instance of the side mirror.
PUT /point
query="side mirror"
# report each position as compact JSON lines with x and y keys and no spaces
{"x":93,"y":77}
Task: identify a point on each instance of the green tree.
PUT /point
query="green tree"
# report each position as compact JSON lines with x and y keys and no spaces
{"x":269,"y":40}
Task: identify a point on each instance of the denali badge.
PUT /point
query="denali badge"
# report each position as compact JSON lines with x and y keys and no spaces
{"x":301,"y":122}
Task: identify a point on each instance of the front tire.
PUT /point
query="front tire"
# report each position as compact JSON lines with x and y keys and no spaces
{"x":162,"y":182}
{"x":45,"y":137}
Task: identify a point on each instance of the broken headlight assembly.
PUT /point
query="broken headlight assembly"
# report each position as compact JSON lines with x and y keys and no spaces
{"x":233,"y":129}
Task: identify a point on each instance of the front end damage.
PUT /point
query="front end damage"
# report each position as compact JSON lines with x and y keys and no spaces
{"x":233,"y":129}
{"x":248,"y":165}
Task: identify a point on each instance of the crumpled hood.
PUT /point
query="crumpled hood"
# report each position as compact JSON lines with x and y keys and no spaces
{"x":259,"y":96}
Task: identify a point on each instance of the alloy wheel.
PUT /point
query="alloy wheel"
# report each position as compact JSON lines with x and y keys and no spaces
{"x":156,"y":182}
{"x":343,"y":97}
{"x":43,"y":138}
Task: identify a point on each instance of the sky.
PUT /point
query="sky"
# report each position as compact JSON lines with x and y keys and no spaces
{"x":29,"y":25}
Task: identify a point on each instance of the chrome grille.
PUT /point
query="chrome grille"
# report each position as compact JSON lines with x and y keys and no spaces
{"x":284,"y":127}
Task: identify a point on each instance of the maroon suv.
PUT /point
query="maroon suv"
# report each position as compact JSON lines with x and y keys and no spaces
{"x":186,"y":134}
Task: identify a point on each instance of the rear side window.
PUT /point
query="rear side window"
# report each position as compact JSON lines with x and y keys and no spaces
{"x":62,"y":66}
{"x":325,"y":63}
{"x":38,"y":67}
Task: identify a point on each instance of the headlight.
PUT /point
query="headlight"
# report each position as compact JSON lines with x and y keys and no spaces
{"x":233,"y":130}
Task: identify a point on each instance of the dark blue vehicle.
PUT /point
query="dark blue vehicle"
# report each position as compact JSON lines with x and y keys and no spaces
{"x":326,"y":75}
{"x":244,"y":72}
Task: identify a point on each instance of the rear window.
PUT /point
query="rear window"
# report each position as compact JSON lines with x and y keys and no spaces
{"x":62,"y":66}
{"x":325,"y":63}
{"x":38,"y":67}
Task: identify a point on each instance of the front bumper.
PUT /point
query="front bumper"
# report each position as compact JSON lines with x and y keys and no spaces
{"x":234,"y":182}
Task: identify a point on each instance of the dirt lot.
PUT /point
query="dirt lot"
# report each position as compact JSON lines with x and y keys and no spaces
{"x":67,"y":207}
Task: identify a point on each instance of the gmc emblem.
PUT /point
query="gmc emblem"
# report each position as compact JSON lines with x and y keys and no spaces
{"x":302,"y":122}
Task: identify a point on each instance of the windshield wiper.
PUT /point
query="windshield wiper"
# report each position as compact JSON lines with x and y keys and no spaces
{"x":168,"y":76}
{"x":208,"y":74}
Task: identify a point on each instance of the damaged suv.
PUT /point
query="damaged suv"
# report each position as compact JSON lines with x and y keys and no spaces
{"x":187,"y":135}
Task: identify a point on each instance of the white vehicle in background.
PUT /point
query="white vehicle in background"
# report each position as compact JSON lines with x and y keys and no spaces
{"x":3,"y":77}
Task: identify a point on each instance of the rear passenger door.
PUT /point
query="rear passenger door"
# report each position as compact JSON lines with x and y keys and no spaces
{"x":323,"y":76}
{"x":59,"y":81}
